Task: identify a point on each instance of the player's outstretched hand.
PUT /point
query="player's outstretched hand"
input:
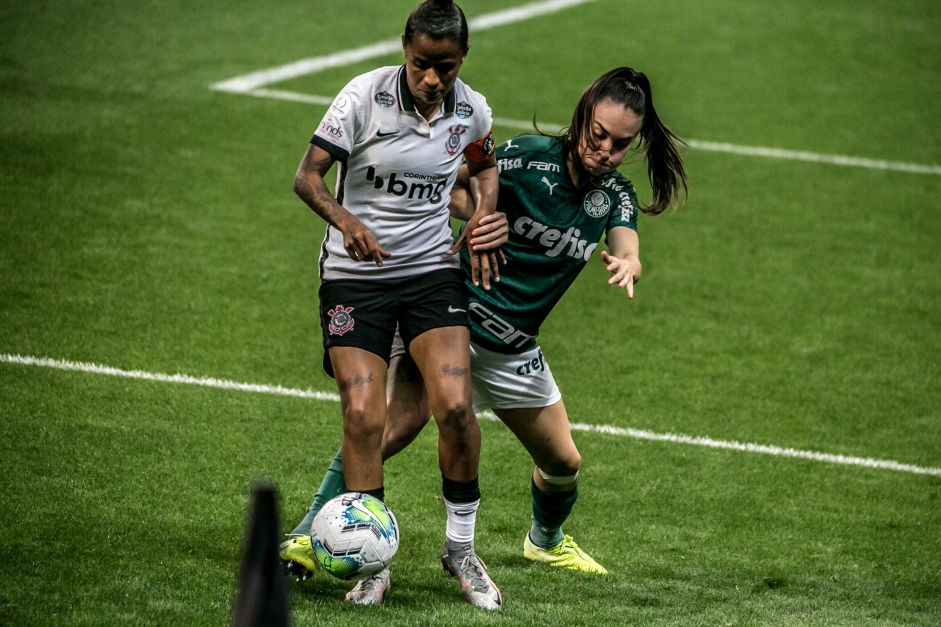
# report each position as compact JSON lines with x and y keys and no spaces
{"x":622,"y":272}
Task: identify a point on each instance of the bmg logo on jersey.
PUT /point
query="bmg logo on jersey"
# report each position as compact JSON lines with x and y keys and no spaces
{"x":427,"y":186}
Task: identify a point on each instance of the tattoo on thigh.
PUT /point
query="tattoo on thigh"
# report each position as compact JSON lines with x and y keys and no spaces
{"x":448,"y":371}
{"x":355,"y":382}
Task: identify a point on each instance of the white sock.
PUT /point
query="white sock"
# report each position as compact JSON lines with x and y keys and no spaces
{"x":462,"y":518}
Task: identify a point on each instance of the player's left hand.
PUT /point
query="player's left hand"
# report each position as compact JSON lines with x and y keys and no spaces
{"x":491,"y":233}
{"x":622,"y":272}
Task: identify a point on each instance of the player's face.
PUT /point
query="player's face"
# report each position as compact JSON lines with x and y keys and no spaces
{"x":431,"y":67}
{"x":612,"y":131}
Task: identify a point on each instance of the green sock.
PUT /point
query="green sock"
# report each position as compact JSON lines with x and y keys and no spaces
{"x":332,"y":485}
{"x":550,"y":509}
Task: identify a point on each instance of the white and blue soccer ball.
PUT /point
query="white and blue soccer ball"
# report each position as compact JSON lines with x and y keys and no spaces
{"x":354,"y":536}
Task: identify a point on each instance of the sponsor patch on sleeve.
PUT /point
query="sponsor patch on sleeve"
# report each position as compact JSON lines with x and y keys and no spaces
{"x":342,"y":105}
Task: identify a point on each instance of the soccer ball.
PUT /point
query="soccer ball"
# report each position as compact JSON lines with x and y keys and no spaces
{"x":354,"y":536}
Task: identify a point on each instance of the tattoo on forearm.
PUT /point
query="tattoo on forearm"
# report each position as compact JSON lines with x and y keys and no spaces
{"x":355,"y":382}
{"x":448,"y":371}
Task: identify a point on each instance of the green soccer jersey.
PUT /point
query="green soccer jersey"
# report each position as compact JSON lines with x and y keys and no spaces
{"x":554,"y":230}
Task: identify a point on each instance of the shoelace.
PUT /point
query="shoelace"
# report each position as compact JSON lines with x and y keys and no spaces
{"x":375,"y":579}
{"x":478,"y":580}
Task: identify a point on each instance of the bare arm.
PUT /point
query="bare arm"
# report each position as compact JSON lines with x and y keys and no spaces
{"x":484,"y":184}
{"x":359,"y":242}
{"x":492,"y":231}
{"x":623,"y":260}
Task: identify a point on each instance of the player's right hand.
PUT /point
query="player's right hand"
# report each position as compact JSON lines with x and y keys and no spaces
{"x":361,"y":244}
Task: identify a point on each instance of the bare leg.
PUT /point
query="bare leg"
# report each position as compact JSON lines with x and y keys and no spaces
{"x":443,"y":357}
{"x":360,"y":377}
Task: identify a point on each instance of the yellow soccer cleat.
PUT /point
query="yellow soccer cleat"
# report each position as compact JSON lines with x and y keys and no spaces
{"x":297,"y":556}
{"x":565,"y":554}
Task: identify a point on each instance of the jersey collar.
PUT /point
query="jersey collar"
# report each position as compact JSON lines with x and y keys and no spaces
{"x":408,"y":104}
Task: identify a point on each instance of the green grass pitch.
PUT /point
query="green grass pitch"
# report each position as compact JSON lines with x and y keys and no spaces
{"x":147,"y":223}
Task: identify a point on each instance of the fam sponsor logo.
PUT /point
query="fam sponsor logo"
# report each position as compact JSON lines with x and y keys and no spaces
{"x":464,"y":110}
{"x":498,"y":327}
{"x":340,"y":320}
{"x":453,"y":145}
{"x":542,"y":166}
{"x":384,"y":99}
{"x":329,"y":126}
{"x":556,"y":242}
{"x":342,"y":105}
{"x":420,"y":186}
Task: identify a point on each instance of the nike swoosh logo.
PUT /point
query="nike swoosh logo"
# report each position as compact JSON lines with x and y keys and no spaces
{"x":453,"y":309}
{"x":381,"y":134}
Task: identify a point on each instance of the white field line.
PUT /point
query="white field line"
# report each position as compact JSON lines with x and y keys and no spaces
{"x":734,"y":149}
{"x":212,"y":382}
{"x":248,"y":82}
{"x":252,"y":84}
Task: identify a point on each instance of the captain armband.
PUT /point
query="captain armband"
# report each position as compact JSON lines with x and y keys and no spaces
{"x":480,"y":150}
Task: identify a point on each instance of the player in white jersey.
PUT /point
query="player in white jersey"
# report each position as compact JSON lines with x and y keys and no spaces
{"x":399,"y":135}
{"x":561,"y":195}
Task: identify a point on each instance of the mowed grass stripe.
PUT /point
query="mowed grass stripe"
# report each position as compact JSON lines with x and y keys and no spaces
{"x":257,"y":388}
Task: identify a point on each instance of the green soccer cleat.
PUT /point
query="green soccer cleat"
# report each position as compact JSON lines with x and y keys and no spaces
{"x":297,"y":557}
{"x":565,"y":554}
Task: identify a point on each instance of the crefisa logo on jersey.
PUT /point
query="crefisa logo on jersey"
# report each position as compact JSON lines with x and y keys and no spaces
{"x":464,"y":110}
{"x":597,"y":204}
{"x":384,"y":99}
{"x":453,"y":146}
{"x":340,"y":320}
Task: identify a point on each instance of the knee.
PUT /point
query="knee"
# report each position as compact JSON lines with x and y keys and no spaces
{"x":361,"y":424}
{"x":456,"y":417}
{"x":401,"y":430}
{"x":562,"y":469}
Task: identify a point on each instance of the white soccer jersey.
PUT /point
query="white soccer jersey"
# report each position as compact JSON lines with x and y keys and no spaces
{"x":396,"y":171}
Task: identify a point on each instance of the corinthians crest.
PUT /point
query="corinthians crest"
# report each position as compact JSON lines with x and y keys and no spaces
{"x":454,"y":140}
{"x":340,"y":320}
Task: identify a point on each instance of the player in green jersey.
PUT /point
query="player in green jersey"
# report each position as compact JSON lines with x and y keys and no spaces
{"x":560,"y":194}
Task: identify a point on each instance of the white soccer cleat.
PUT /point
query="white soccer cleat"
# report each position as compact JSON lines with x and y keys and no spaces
{"x":479,"y":589}
{"x":370,"y":591}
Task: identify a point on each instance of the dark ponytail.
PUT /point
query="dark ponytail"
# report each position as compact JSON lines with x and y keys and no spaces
{"x":631,"y":89}
{"x":438,"y":19}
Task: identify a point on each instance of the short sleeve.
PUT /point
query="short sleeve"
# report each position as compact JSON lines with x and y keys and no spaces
{"x":340,"y":124}
{"x":625,"y":213}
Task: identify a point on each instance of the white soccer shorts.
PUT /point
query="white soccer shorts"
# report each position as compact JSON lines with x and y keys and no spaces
{"x":506,"y":381}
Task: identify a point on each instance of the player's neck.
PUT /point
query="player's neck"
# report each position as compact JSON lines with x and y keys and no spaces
{"x":427,"y":111}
